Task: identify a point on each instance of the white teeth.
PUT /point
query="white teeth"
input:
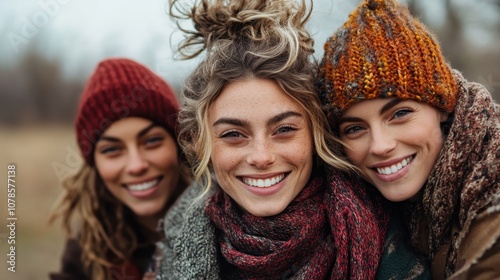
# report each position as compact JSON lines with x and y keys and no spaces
{"x":264,"y":183}
{"x":142,"y":186}
{"x":394,"y":168}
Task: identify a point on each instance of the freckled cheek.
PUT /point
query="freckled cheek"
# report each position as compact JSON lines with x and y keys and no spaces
{"x":302,"y":151}
{"x":223,"y":160}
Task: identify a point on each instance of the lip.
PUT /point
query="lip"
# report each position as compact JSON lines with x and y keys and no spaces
{"x":142,"y":181}
{"x":144,"y":193}
{"x":265,"y":191}
{"x":262,"y":176}
{"x":390,"y":162}
{"x":395,"y":176}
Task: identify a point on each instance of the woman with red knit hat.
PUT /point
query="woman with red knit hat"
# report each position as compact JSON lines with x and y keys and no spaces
{"x":420,"y":134}
{"x":126,"y":128}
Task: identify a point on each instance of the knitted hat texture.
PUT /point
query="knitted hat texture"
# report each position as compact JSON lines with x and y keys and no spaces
{"x":383,"y":51}
{"x":117,"y":89}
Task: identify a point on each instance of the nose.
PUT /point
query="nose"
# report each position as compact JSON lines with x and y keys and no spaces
{"x":136,"y":164}
{"x":261,"y":154}
{"x":382,"y":142}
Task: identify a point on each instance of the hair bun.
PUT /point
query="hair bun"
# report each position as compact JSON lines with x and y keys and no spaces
{"x":216,"y":20}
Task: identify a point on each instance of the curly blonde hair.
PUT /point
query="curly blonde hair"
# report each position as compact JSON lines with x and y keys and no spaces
{"x":247,"y":39}
{"x":107,"y":230}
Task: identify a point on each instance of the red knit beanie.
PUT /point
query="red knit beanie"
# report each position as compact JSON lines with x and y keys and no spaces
{"x":121,"y":88}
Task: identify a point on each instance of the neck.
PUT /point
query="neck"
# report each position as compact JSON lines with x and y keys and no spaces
{"x":150,"y":226}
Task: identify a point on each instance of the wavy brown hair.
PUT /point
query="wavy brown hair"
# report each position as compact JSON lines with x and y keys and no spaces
{"x":243,"y":40}
{"x":107,"y":231}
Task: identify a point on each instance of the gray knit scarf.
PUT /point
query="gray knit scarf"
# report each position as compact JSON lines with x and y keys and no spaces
{"x":465,"y":178}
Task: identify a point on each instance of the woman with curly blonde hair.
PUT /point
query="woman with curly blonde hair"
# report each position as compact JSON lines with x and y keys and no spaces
{"x":272,"y":201}
{"x":126,"y":129}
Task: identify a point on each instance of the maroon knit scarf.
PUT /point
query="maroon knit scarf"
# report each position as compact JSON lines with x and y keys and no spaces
{"x":329,"y":231}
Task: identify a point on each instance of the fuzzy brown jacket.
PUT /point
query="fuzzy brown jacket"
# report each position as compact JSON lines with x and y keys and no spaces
{"x":457,"y":223}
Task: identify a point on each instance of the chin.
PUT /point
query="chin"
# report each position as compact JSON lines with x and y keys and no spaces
{"x":395,"y":198}
{"x":149,"y":212}
{"x":266,"y":211}
{"x":398,"y":197}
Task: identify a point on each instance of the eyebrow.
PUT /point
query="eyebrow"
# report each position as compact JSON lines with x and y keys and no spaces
{"x":244,"y":123}
{"x":389,"y":105}
{"x":384,"y":109}
{"x":139,"y":135}
{"x":231,"y":121}
{"x":282,"y":116}
{"x":349,"y":119}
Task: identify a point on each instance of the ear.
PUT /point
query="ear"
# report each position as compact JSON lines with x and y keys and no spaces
{"x":444,"y":116}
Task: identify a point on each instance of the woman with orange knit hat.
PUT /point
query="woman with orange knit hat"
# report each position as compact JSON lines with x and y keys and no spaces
{"x":126,"y":129}
{"x":420,"y":134}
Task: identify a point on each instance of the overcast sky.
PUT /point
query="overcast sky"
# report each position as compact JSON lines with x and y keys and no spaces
{"x":79,"y":33}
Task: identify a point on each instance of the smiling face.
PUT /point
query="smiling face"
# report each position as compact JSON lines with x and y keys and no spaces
{"x":395,"y":143}
{"x":138,"y":162}
{"x":262,"y":145}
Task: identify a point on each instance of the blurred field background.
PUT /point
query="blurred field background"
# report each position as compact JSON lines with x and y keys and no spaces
{"x":48,"y":49}
{"x":33,"y":149}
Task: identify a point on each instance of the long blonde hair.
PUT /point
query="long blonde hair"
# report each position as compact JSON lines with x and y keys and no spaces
{"x":247,"y":39}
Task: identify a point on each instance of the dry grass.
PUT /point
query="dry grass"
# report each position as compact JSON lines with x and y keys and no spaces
{"x":35,"y":151}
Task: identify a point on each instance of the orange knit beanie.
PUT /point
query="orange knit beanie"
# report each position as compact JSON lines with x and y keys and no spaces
{"x":382,"y":51}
